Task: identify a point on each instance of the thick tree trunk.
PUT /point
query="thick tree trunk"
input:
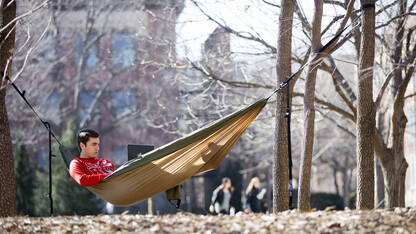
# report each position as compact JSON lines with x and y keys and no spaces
{"x":304,"y":194}
{"x":394,"y":183}
{"x":365,"y":110}
{"x":391,"y":157}
{"x":280,"y":149}
{"x":7,"y":183}
{"x":394,"y":168}
{"x":395,"y":177}
{"x":393,"y":162}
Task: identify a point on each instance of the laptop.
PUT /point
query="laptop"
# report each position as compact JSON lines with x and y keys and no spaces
{"x":135,"y":151}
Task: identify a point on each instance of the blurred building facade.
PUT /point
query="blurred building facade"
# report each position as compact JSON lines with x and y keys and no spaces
{"x":105,"y":66}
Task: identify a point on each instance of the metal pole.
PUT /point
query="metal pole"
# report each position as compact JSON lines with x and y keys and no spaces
{"x":48,"y":126}
{"x":289,"y":145}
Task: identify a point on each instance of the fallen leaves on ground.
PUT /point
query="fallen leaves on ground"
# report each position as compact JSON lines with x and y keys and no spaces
{"x":398,"y":220}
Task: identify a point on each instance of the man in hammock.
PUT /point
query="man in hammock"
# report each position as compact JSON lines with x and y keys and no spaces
{"x":88,"y":170}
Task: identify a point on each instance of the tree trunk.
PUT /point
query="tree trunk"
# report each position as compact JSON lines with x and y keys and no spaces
{"x":379,"y":183}
{"x":150,"y":206}
{"x":394,"y":182}
{"x":365,"y":110}
{"x":280,"y":149}
{"x":392,"y":160}
{"x":304,"y":194}
{"x":334,"y":173}
{"x":7,"y":183}
{"x":394,"y":166}
{"x":346,"y":183}
{"x":391,"y":157}
{"x":395,"y":171}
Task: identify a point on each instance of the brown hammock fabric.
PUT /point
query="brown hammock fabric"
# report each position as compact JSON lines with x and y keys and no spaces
{"x":172,"y":164}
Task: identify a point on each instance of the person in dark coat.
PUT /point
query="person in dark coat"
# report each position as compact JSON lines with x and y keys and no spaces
{"x":222,"y":198}
{"x":254,"y":196}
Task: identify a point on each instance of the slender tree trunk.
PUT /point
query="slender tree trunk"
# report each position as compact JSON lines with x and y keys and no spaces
{"x":7,"y":183}
{"x":304,"y":195}
{"x":365,"y":110}
{"x":346,"y":183}
{"x":280,"y":149}
{"x":379,"y":180}
{"x":334,"y":173}
{"x":379,"y":183}
{"x":150,"y":206}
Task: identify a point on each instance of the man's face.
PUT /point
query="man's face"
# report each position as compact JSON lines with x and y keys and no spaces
{"x":90,"y":150}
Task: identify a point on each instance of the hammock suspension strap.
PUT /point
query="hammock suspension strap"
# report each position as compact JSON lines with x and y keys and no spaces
{"x":48,"y":127}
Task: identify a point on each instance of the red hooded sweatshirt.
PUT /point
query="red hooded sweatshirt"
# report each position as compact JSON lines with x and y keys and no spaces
{"x":90,"y":171}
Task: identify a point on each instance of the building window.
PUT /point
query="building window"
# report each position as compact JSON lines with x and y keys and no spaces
{"x":120,"y":155}
{"x":50,"y":105}
{"x":47,"y":51}
{"x":87,"y":98}
{"x":43,"y":159}
{"x":124,"y":102}
{"x":123,"y":50}
{"x":92,"y":56}
{"x":49,"y":100}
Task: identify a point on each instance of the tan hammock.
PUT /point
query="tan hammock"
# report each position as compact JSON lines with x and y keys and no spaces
{"x":170,"y":165}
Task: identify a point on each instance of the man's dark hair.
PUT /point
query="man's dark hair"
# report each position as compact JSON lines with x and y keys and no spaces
{"x":84,"y":136}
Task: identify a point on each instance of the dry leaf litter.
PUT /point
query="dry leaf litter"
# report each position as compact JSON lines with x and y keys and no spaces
{"x":398,"y":220}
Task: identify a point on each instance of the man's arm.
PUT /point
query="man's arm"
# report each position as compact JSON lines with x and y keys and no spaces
{"x":76,"y":169}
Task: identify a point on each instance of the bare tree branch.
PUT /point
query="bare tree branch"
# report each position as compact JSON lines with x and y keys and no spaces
{"x":343,"y":128}
{"x":246,"y":35}
{"x":397,"y":69}
{"x":331,"y":2}
{"x":336,"y":76}
{"x":396,"y":18}
{"x":330,"y":106}
{"x":26,"y":14}
{"x":209,"y":73}
{"x":271,"y":4}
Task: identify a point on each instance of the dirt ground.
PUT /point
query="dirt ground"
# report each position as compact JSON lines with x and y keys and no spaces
{"x":399,"y":220}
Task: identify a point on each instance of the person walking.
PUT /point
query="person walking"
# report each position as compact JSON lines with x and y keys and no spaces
{"x":222,"y":198}
{"x":254,"y":196}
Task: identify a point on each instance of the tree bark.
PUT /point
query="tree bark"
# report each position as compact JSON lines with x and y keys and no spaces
{"x":7,"y":182}
{"x":394,"y":184}
{"x":280,"y":149}
{"x":365,"y":109}
{"x":304,"y":194}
